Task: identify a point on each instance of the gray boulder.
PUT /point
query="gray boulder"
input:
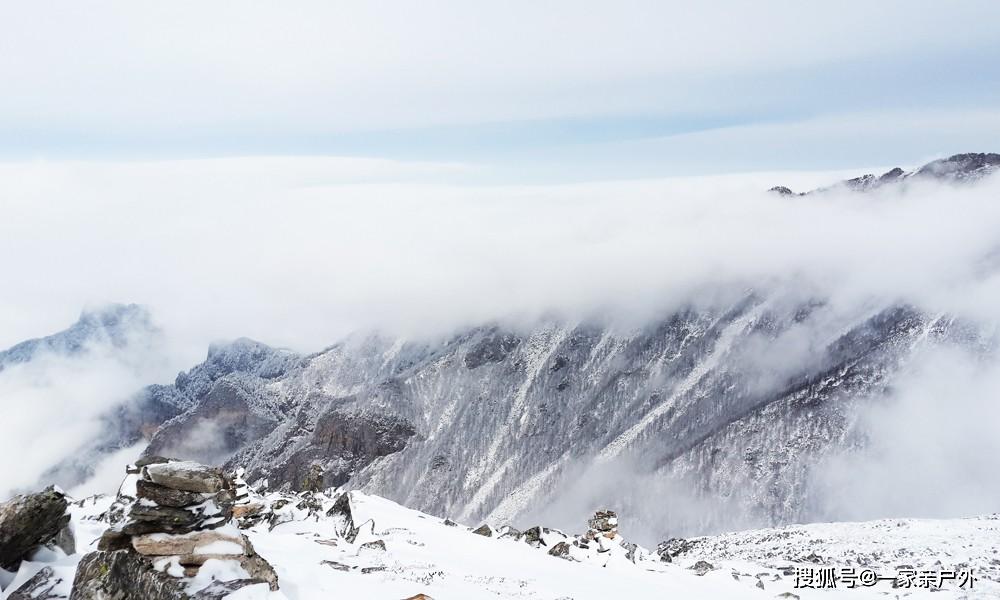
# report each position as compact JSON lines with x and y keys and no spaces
{"x":29,"y":522}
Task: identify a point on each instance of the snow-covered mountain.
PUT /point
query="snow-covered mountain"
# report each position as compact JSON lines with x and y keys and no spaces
{"x":723,"y":412}
{"x":116,"y":326}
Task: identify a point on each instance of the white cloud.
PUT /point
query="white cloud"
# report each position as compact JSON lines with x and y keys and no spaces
{"x":281,"y":251}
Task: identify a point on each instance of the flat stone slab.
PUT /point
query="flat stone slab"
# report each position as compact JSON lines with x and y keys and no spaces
{"x":186,"y":476}
{"x":202,"y":542}
{"x":167,"y":496}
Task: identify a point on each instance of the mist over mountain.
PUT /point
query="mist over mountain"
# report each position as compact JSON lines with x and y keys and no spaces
{"x":738,"y":402}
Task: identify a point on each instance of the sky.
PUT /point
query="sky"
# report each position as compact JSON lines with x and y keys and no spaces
{"x":296,"y":171}
{"x":551,"y":91}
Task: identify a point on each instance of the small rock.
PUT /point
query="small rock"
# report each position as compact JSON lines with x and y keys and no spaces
{"x":533,"y":536}
{"x":378,"y":545}
{"x":450,"y":523}
{"x":561,"y":550}
{"x":310,"y":502}
{"x":336,"y":565}
{"x":242,"y":511}
{"x":760,"y":584}
{"x":484,"y":530}
{"x":367,"y":570}
{"x":630,"y":551}
{"x":113,"y":539}
{"x":701,"y":567}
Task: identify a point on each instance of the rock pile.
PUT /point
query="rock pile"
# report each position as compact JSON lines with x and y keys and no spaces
{"x":179,"y":535}
{"x":605,"y":523}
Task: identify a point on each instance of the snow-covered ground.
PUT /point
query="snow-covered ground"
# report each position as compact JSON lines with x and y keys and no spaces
{"x":425,"y":555}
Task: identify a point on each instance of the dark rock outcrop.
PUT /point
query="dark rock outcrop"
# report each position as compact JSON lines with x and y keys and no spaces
{"x":29,"y":522}
{"x":492,"y":348}
{"x":40,"y":587}
{"x":323,"y":451}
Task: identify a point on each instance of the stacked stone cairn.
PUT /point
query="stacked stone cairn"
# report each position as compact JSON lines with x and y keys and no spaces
{"x":182,"y":517}
{"x":245,"y":511}
{"x":603,"y":528}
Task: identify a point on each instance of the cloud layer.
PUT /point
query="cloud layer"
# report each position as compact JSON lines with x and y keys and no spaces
{"x":285,"y":251}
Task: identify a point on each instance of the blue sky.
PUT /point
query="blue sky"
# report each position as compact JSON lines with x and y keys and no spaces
{"x":523,"y":90}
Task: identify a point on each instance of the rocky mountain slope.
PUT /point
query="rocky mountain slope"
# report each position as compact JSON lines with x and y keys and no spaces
{"x":725,"y":405}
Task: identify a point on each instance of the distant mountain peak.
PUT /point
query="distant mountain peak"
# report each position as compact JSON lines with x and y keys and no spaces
{"x":113,"y":324}
{"x":968,"y":167}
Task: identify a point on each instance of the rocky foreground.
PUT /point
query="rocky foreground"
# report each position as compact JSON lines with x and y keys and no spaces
{"x":180,"y":531}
